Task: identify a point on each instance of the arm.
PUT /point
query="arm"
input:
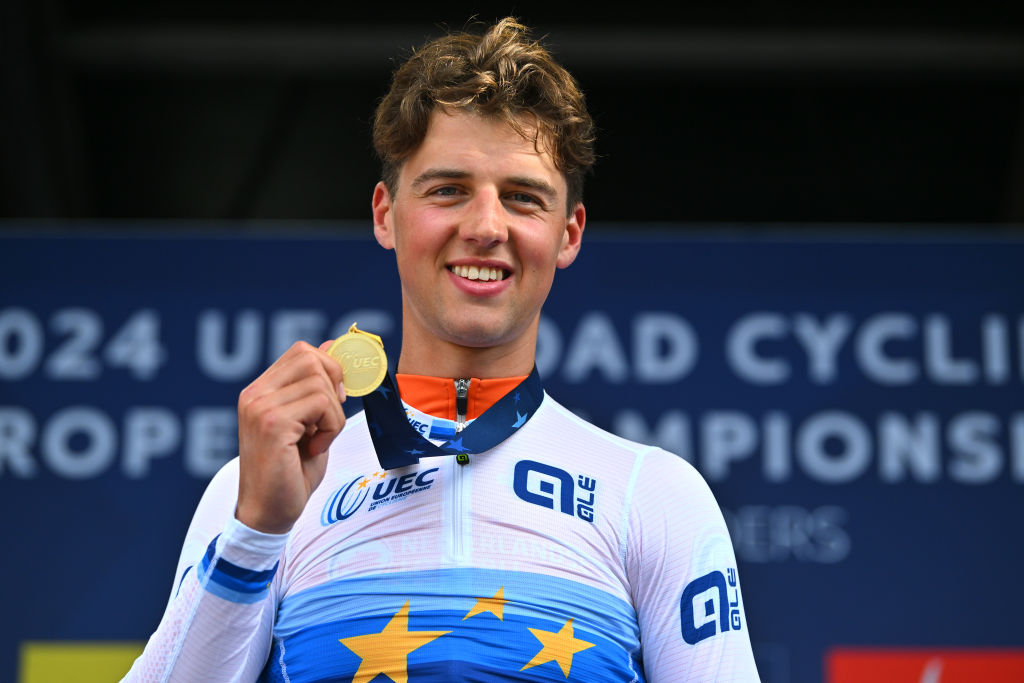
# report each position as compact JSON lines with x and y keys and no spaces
{"x":683,"y":575}
{"x":218,"y":622}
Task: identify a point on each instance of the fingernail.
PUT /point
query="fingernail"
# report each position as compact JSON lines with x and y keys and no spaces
{"x":341,"y":391}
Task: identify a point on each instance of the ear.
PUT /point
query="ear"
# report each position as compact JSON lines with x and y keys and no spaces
{"x":383,"y":216}
{"x":572,"y":238}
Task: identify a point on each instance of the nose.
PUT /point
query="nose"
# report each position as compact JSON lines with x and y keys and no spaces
{"x":486,"y":223}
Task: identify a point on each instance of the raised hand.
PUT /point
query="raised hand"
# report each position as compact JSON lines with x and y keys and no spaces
{"x":287,"y":419}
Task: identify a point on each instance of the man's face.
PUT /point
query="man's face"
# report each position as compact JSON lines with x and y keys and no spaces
{"x":478,"y":224}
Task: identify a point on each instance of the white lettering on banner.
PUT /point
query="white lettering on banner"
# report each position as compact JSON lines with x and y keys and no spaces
{"x":148,"y":433}
{"x":741,"y":343}
{"x":835,"y":447}
{"x":75,"y":358}
{"x":80,"y":350}
{"x":21,"y":343}
{"x":942,"y":364}
{"x":81,"y":442}
{"x":974,"y":439}
{"x":777,"y":463}
{"x":875,"y":334}
{"x":17,"y":433}
{"x":725,"y":438}
{"x":231,"y":348}
{"x":664,"y":350}
{"x":1017,"y":430}
{"x":996,"y":343}
{"x":213,"y":354}
{"x":212,"y":440}
{"x":136,"y":346}
{"x":906,"y":445}
{"x":595,"y":346}
{"x":821,"y":342}
{"x":763,"y":534}
{"x":890,"y":348}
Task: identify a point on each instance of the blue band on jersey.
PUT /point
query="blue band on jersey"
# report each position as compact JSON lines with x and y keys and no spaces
{"x":231,"y":582}
{"x":398,"y":443}
{"x":480,"y":625}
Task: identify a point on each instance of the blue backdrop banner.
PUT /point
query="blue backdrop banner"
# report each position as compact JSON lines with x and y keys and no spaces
{"x":857,"y":406}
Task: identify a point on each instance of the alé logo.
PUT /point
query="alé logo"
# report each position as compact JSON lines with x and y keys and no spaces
{"x":378,"y":488}
{"x":710,"y":605}
{"x":555,"y":489}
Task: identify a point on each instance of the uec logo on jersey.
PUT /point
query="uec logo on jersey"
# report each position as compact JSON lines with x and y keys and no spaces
{"x":554,"y":489}
{"x":344,"y":502}
{"x":706,"y":607}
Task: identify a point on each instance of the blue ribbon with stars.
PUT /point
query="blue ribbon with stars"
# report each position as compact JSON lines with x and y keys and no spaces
{"x":398,"y":443}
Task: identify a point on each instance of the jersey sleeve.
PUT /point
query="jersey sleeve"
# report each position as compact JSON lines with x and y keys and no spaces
{"x":683,"y":578}
{"x":218,"y":621}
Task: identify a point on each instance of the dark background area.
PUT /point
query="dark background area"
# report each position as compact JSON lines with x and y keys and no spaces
{"x":756,"y":113}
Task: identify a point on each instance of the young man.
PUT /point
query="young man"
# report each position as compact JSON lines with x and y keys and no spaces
{"x":509,"y":540}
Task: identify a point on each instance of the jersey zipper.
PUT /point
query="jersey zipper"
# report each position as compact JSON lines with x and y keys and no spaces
{"x":461,"y":403}
{"x":459,"y":504}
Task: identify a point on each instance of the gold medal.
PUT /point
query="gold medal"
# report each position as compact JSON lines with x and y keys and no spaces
{"x":362,"y":359}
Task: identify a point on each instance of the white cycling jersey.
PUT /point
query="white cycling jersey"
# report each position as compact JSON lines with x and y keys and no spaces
{"x":564,"y":553}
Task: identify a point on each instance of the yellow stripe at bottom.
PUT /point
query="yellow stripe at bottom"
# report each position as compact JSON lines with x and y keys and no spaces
{"x":81,"y":662}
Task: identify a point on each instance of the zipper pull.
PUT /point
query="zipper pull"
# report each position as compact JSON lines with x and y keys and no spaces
{"x":461,"y":403}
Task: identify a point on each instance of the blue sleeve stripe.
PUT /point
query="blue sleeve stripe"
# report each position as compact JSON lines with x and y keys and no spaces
{"x":242,"y":574}
{"x":234,"y":583}
{"x":234,"y":596}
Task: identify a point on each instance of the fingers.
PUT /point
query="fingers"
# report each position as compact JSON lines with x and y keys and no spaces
{"x":299,"y":361}
{"x":287,"y":419}
{"x":300,"y":390}
{"x":299,"y":409}
{"x":311,"y":398}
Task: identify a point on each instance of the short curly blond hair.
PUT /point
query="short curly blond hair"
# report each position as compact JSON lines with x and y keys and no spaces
{"x":501,"y":73}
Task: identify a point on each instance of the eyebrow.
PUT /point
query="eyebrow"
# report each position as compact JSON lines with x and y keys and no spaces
{"x":436,"y":173}
{"x":535,"y":184}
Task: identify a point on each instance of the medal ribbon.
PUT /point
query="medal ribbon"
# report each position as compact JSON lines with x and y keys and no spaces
{"x":398,"y":444}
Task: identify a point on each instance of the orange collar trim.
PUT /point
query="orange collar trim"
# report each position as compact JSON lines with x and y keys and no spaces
{"x":436,"y":395}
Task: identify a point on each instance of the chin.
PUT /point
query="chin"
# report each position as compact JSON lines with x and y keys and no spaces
{"x":478,"y":335}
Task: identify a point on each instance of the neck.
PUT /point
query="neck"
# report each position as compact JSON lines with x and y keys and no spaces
{"x":441,"y":358}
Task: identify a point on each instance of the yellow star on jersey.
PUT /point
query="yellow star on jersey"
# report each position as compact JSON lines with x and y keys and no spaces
{"x":493,"y":605}
{"x":557,"y":647}
{"x":364,"y":482}
{"x":387,"y":652}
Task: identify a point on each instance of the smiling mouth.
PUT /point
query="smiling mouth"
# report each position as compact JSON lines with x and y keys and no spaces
{"x":482,"y":273}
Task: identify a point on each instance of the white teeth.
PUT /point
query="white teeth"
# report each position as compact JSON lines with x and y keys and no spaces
{"x":482,"y":273}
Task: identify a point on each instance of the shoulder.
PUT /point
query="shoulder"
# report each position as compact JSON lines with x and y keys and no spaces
{"x":553,"y":416}
{"x":563,"y":424}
